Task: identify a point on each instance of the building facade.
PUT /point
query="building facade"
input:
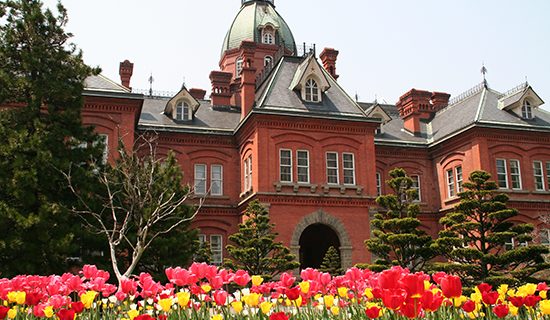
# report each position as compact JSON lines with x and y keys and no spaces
{"x":277,"y":127}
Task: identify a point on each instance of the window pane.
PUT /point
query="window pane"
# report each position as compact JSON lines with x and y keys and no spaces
{"x":303,"y":166}
{"x":332,"y":167}
{"x":378,"y":184}
{"x":538,"y":174}
{"x":545,"y":237}
{"x":216,"y":247}
{"x":285,"y":165}
{"x":548,"y":175}
{"x":459,"y":178}
{"x":416,"y":186}
{"x":450,"y":184}
{"x":200,"y":179}
{"x":216,"y":181}
{"x":502,"y":175}
{"x":349,"y":168}
{"x":515,"y":174}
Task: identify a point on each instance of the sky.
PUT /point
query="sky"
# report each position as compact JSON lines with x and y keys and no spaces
{"x":386,"y":47}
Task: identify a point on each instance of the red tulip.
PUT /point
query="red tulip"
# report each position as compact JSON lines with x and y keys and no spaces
{"x":516,"y":301}
{"x":287,"y":280}
{"x":393,"y":299}
{"x":413,"y":284}
{"x":489,"y":297}
{"x":430,"y":301}
{"x":469,"y":306}
{"x":531,"y":300}
{"x":144,"y":317}
{"x":78,"y":306}
{"x":65,"y":314}
{"x":484,"y":287}
{"x":389,"y":279}
{"x":278,"y":316}
{"x":451,"y":286}
{"x":542,"y":286}
{"x":373,"y":312}
{"x":3,"y":312}
{"x":501,"y":310}
{"x":293,"y":294}
{"x":220,"y":297}
{"x":410,"y":309}
{"x":242,"y":278}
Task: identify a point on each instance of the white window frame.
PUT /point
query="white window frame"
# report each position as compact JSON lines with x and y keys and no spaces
{"x":238,"y":66}
{"x":268,"y":36}
{"x":459,"y":182}
{"x":348,"y":169}
{"x":198,"y":180}
{"x":546,"y":233}
{"x":182,"y":110}
{"x":378,"y":184}
{"x":268,"y":60}
{"x":287,"y":166}
{"x":332,"y":168}
{"x":515,"y":175}
{"x":218,"y":250}
{"x":548,"y":174}
{"x":538,"y":176}
{"x":247,"y":168}
{"x":312,"y":93}
{"x":104,"y":139}
{"x":450,"y":182}
{"x":301,"y":166}
{"x":213,"y":181}
{"x":417,"y":187}
{"x":505,"y":174}
{"x":513,"y":243}
{"x":202,"y":239}
{"x":526,"y":110}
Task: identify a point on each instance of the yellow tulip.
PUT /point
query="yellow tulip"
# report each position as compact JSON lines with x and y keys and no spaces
{"x":304,"y":286}
{"x":166,"y":304}
{"x":237,"y":306}
{"x":252,"y":299}
{"x":527,"y":289}
{"x":328,"y":300}
{"x":88,"y":298}
{"x":542,"y":294}
{"x":368,"y":293}
{"x":133,"y":313}
{"x":257,"y":280}
{"x":18,"y":297}
{"x":183,"y":298}
{"x":48,"y":312}
{"x":335,"y":310}
{"x":513,"y":309}
{"x":206,"y":288}
{"x":544,"y":306}
{"x":12,"y":313}
{"x":217,"y":317}
{"x":343,"y":292}
{"x":458,"y":301}
{"x":266,"y":306}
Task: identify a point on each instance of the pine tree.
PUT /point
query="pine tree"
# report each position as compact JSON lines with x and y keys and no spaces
{"x":41,"y":79}
{"x":476,"y":235}
{"x":331,"y":262}
{"x":397,"y":239}
{"x":203,"y":253}
{"x":255,"y":249}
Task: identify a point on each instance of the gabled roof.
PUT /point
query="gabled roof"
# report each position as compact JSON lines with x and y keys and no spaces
{"x":309,"y":67}
{"x":102,"y":83}
{"x":275,"y":94}
{"x":514,"y":98}
{"x":182,"y":94}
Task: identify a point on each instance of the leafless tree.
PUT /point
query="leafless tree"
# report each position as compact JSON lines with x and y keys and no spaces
{"x":140,"y":198}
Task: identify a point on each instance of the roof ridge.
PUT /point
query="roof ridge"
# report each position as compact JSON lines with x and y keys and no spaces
{"x":467,"y":94}
{"x":514,"y":90}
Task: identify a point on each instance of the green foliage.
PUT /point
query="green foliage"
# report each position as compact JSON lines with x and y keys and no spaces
{"x":203,"y":252}
{"x":396,"y":238}
{"x":475,"y":236}
{"x":41,"y":79}
{"x":331,"y":262}
{"x":255,"y":249}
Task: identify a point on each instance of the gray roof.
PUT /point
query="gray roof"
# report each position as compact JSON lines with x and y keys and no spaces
{"x":102,"y":83}
{"x":215,"y":119}
{"x":275,"y":94}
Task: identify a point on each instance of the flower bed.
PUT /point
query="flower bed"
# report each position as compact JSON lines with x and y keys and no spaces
{"x":201,"y":292}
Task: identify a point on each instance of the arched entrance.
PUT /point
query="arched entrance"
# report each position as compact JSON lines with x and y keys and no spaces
{"x":314,"y":243}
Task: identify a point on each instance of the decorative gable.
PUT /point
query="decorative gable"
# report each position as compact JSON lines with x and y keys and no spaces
{"x":520,"y":100}
{"x":310,"y":80}
{"x":182,"y":106}
{"x":377,"y":112}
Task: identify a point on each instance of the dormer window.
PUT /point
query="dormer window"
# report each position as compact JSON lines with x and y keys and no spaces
{"x":182,"y":111}
{"x":238,"y":67}
{"x":268,"y":35}
{"x":268,"y":61}
{"x":526,"y":110}
{"x":312,"y":91}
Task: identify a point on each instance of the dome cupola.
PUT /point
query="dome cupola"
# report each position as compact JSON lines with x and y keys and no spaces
{"x":258,"y":21}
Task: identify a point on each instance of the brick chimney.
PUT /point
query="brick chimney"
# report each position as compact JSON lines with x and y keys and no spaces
{"x":419,"y":104}
{"x":248,"y":77}
{"x":125,"y":71}
{"x":221,"y":94}
{"x":197,"y":93}
{"x":328,"y":57}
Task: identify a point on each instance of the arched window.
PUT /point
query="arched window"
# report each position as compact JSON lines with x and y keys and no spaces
{"x":182,"y":111}
{"x":268,"y":36}
{"x":526,"y":110}
{"x":268,"y":61}
{"x":238,"y":67}
{"x":312,"y":91}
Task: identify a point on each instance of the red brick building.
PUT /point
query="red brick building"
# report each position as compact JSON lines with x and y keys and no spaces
{"x":277,"y":127}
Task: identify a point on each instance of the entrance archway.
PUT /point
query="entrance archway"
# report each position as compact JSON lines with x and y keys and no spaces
{"x":314,"y":243}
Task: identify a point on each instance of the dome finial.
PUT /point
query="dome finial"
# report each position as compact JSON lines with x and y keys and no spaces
{"x":247,"y":1}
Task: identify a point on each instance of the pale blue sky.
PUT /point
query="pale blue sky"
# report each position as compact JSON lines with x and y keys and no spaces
{"x":386,"y":47}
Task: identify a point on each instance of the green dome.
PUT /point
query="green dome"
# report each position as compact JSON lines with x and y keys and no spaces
{"x":253,"y":15}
